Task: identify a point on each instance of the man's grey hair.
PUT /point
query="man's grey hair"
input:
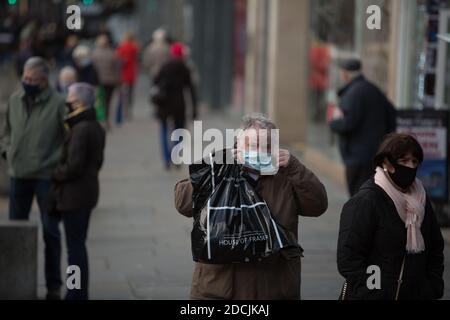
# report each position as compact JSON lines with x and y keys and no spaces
{"x":37,"y":63}
{"x":257,"y":121}
{"x":85,"y":93}
{"x":68,"y":72}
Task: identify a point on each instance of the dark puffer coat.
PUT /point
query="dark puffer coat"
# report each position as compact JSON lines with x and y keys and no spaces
{"x":372,"y":233}
{"x":76,"y":185}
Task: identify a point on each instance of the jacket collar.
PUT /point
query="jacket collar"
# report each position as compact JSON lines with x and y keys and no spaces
{"x":371,"y":185}
{"x":345,"y":88}
{"x":40,"y":98}
{"x":79,"y":115}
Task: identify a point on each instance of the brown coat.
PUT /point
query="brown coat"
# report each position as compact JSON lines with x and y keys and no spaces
{"x":108,"y":66}
{"x":293,"y":191}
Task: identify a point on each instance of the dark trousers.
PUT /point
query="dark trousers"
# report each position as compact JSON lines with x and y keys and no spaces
{"x":125,"y":106}
{"x":22,"y":192}
{"x":357,"y":175}
{"x":109,"y":92}
{"x":76,"y":225}
{"x":166,"y":132}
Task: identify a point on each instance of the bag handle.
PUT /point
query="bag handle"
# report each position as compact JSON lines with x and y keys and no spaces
{"x":213,"y":180}
{"x":400,"y":278}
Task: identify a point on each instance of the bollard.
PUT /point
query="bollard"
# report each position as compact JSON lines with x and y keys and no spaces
{"x":18,"y":260}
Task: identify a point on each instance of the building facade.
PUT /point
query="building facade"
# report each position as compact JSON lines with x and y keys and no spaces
{"x":402,"y":58}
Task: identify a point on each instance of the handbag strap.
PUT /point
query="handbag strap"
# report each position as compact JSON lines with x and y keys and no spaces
{"x":400,"y":278}
{"x":344,"y":290}
{"x":399,"y":282}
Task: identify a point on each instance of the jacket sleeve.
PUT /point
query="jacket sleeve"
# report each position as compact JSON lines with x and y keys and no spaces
{"x":183,"y":198}
{"x":159,"y":77}
{"x":353,"y":113}
{"x":147,"y":59}
{"x":5,"y":134}
{"x":76,"y":157}
{"x":309,"y":192}
{"x":356,"y":233}
{"x":55,"y":157}
{"x":435,"y":267}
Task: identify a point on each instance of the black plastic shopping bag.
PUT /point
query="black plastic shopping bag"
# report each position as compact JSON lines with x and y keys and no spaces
{"x":232,"y":223}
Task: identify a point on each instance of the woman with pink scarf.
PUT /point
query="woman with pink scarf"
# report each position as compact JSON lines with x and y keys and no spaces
{"x":390,"y":224}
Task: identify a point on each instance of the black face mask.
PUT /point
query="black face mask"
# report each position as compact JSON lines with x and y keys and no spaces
{"x":31,"y":90}
{"x":70,"y":107}
{"x":403,"y":176}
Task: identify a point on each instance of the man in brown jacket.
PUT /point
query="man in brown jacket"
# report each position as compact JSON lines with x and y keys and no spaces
{"x":293,"y":191}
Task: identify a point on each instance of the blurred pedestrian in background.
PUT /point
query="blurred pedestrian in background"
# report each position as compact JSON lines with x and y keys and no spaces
{"x":75,"y":180}
{"x":72,"y":42}
{"x":319,"y":80}
{"x":294,"y":190}
{"x":86,"y":72}
{"x":108,"y":66}
{"x":67,"y":76}
{"x":128,"y":52}
{"x":365,"y":116}
{"x":391,"y":224}
{"x":31,"y":141}
{"x":157,"y":54}
{"x":172,"y":81}
{"x":31,"y":45}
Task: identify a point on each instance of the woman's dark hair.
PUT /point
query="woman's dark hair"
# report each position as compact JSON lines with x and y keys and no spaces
{"x":396,"y":146}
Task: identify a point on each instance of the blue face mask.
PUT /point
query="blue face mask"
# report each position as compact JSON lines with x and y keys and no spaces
{"x":261,"y":162}
{"x":31,"y":90}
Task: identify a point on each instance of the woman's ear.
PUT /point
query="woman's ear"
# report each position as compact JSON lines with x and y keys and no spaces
{"x":388,"y":167}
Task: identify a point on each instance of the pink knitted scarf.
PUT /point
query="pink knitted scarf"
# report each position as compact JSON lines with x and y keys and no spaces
{"x":410,"y":207}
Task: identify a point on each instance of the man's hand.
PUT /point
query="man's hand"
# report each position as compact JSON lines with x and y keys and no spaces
{"x":283,"y":158}
{"x":335,"y":114}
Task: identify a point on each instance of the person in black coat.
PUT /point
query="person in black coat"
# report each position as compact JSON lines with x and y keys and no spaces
{"x":391,"y":224}
{"x":366,"y":116}
{"x":75,"y":180}
{"x":86,"y":72}
{"x":173,"y":78}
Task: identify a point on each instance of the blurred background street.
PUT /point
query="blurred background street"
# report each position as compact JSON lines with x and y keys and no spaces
{"x":247,"y":56}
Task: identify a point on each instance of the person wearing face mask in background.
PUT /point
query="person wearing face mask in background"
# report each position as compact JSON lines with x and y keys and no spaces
{"x":290,"y":192}
{"x":76,"y":189}
{"x":32,"y":137}
{"x":391,"y":224}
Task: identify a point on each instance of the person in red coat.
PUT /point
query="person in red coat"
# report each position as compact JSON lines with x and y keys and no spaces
{"x":320,"y":60}
{"x":128,"y":52}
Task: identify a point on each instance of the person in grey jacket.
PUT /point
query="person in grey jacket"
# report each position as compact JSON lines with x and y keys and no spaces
{"x":156,"y":54}
{"x":31,"y":142}
{"x":108,"y":66}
